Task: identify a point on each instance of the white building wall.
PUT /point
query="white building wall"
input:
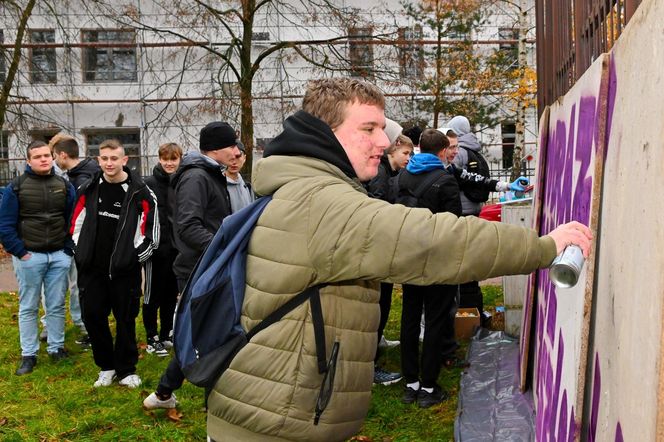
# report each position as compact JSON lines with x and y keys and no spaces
{"x":147,"y":106}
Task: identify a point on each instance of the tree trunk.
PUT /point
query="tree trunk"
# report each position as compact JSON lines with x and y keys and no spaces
{"x":520,"y":121}
{"x":246,"y":83}
{"x":16,"y":58}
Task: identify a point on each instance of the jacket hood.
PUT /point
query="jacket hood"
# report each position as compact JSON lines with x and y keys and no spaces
{"x":29,"y":171}
{"x":385,"y":162}
{"x":195,"y":159}
{"x":469,"y":141}
{"x":459,"y":124}
{"x":87,"y":166}
{"x":306,"y":135}
{"x":424,"y":162}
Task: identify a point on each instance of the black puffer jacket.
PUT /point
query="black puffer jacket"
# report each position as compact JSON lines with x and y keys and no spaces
{"x":201,"y":203}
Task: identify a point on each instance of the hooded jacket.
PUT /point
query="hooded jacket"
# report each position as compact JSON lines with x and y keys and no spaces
{"x":467,"y":140}
{"x":322,"y":228}
{"x":137,"y":233}
{"x":379,"y":186}
{"x":201,"y":203}
{"x":159,"y":183}
{"x":443,"y":194}
{"x":82,"y":172}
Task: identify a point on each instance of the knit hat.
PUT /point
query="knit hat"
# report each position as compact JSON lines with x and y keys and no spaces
{"x":217,"y":135}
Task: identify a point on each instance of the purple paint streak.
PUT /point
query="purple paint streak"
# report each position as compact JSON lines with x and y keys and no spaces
{"x":619,"y":435}
{"x":597,"y":392}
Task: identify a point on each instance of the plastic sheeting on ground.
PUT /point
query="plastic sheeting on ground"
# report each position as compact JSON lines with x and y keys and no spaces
{"x":491,"y":407}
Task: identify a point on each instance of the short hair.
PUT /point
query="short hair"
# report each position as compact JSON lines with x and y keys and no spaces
{"x":34,"y":145}
{"x":170,"y":150}
{"x":451,"y":134}
{"x":61,"y":142}
{"x":111,"y":144}
{"x":327,"y":99}
{"x":433,"y":141}
{"x":401,"y":141}
{"x":414,"y":134}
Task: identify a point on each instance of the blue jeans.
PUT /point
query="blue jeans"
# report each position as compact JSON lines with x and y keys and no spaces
{"x":47,"y":270}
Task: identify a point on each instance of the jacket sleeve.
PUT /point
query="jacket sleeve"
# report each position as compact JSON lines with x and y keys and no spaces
{"x":474,"y":180}
{"x":69,"y":210}
{"x":146,"y":238}
{"x":351,"y":236}
{"x":9,"y":223}
{"x":188,"y":221}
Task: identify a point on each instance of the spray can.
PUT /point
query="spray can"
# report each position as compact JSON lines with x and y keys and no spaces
{"x":566,"y":268}
{"x":519,"y":194}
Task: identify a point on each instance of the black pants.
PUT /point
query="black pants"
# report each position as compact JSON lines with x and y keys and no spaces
{"x":101,"y":296}
{"x":385,"y":303}
{"x":173,"y":377}
{"x":471,"y":296}
{"x":163,"y":296}
{"x":439,"y":303}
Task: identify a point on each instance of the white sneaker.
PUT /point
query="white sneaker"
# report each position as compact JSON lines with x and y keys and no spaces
{"x":105,"y":379}
{"x":386,"y":343}
{"x":153,"y":402}
{"x":168,"y":344}
{"x":130,"y":381}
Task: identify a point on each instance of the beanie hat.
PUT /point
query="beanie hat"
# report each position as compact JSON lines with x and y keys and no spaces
{"x":217,"y":135}
{"x":392,"y":130}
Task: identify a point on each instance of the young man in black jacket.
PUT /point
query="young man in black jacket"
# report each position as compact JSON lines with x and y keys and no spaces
{"x":202,"y":201}
{"x":77,"y":171}
{"x":116,"y":228}
{"x":161,"y":290}
{"x":427,"y":183}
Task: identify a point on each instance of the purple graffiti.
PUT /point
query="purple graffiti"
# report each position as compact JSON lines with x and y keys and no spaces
{"x":619,"y":435}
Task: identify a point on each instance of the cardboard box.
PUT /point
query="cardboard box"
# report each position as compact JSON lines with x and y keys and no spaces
{"x":466,"y":322}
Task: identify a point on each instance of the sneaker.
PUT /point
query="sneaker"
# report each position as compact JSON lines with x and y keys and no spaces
{"x":130,"y":381}
{"x":27,"y":365}
{"x":84,"y":341}
{"x":386,"y":343}
{"x":153,"y":402}
{"x":382,"y":377}
{"x":409,"y":395}
{"x":59,"y":355}
{"x":43,"y":336}
{"x":167,"y":343}
{"x":156,"y":347}
{"x":106,"y":378}
{"x":426,"y":399}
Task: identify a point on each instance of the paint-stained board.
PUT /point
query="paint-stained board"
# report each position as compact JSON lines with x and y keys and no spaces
{"x":571,"y":192}
{"x":625,"y":400}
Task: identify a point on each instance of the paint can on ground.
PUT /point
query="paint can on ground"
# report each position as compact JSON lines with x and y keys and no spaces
{"x":566,"y":268}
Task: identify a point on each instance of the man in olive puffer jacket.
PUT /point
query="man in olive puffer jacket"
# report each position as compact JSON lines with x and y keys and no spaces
{"x":322,"y":228}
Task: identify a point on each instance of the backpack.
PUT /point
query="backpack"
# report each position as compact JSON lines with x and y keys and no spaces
{"x":410,"y":198}
{"x":476,"y":164}
{"x":207,"y":332}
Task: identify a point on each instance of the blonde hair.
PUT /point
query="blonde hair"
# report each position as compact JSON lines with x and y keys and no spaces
{"x":111,"y":144}
{"x":327,"y":99}
{"x":401,"y":141}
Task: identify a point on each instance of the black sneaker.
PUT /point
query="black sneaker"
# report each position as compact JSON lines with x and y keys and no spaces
{"x":426,"y":399}
{"x":409,"y":395}
{"x":84,"y":341}
{"x":59,"y":355}
{"x":382,"y":377}
{"x":27,"y":365}
{"x":156,"y":347}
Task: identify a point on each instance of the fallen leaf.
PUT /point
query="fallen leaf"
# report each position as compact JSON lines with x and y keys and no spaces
{"x":3,"y":421}
{"x":174,"y":415}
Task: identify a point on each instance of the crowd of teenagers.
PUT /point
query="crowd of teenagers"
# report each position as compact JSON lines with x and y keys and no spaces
{"x":358,"y":205}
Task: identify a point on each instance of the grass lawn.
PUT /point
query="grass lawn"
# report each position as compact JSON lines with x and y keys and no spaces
{"x":57,"y":402}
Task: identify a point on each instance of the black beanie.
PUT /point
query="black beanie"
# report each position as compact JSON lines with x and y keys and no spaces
{"x":217,"y":135}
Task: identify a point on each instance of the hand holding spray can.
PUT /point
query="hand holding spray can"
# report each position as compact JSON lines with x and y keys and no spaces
{"x":566,"y":268}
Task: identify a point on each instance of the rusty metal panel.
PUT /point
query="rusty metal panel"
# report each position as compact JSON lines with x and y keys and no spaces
{"x":571,"y":35}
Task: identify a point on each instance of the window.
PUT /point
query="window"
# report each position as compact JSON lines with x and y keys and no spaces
{"x":360,"y":54}
{"x":109,"y":63}
{"x":130,"y":140}
{"x":42,"y":60}
{"x":2,"y":58}
{"x":509,"y":49}
{"x":508,"y":131}
{"x":260,"y":36}
{"x":411,"y":56}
